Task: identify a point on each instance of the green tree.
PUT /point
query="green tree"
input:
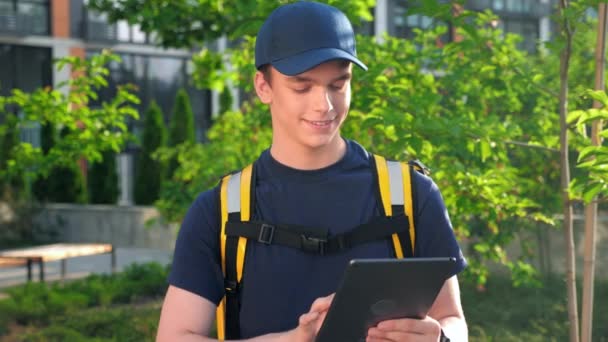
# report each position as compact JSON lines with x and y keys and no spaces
{"x":42,"y":186}
{"x":226,"y":100}
{"x":181,"y":127}
{"x":102,"y":180}
{"x":67,"y":185}
{"x":88,"y":131}
{"x":148,"y":170}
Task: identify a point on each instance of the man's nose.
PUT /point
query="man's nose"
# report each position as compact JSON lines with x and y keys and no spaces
{"x":323,"y":101}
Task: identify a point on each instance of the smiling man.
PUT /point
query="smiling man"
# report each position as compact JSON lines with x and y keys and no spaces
{"x":311,"y":184}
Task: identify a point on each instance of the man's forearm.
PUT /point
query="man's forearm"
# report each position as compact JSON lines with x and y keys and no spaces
{"x":455,"y":328}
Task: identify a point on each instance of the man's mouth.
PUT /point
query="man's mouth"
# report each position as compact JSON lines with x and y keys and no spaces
{"x":320,"y":123}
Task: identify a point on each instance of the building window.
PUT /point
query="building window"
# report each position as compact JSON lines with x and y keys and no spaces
{"x":24,"y":16}
{"x":24,"y":67}
{"x":528,"y":29}
{"x":158,"y":78}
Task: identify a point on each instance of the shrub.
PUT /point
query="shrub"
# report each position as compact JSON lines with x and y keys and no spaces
{"x":140,"y":281}
{"x":63,"y":184}
{"x":55,"y":333}
{"x":9,"y":184}
{"x":181,"y":127}
{"x":226,"y":100}
{"x":149,"y":171}
{"x":103,"y":180}
{"x":118,"y":324}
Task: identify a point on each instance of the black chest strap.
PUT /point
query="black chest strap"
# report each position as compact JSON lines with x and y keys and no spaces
{"x":317,"y":241}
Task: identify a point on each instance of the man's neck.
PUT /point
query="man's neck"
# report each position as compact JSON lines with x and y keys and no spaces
{"x":302,"y":158}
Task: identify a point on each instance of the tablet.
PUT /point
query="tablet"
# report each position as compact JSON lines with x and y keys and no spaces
{"x":374,"y":290}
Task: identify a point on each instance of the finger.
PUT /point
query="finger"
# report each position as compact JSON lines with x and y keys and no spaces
{"x":320,"y":320}
{"x":322,"y":303}
{"x":375,"y":334}
{"x":427,"y":326}
{"x":375,"y":339}
{"x":308,"y":318}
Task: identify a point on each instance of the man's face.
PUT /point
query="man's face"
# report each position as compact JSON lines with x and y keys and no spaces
{"x":307,"y":109}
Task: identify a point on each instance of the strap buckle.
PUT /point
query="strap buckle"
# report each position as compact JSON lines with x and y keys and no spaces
{"x":266,"y":234}
{"x":231,"y":287}
{"x":313,"y":244}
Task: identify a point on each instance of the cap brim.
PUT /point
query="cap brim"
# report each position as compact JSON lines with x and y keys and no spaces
{"x":307,"y":60}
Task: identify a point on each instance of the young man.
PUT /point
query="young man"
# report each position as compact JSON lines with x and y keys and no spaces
{"x":310,"y":177}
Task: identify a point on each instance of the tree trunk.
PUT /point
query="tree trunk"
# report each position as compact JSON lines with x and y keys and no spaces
{"x":566,"y":31}
{"x":591,"y":208}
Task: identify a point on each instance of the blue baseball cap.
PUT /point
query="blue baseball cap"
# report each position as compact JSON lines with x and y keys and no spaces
{"x":299,"y":36}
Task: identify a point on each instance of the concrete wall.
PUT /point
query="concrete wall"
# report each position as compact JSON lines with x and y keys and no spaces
{"x":123,"y":226}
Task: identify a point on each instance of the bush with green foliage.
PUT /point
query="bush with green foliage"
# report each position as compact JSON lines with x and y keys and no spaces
{"x":103,"y":180}
{"x":11,"y":185}
{"x":181,"y":127}
{"x":64,"y":183}
{"x":149,"y":171}
{"x":123,"y":307}
{"x":42,"y":186}
{"x":226,"y":100}
{"x":38,"y":303}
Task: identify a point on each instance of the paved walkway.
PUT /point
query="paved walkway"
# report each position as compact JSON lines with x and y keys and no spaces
{"x":83,"y":266}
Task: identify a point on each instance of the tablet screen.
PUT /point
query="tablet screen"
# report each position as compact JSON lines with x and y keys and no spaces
{"x":374,"y":290}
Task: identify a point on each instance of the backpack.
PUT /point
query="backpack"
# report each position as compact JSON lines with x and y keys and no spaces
{"x":395,"y":191}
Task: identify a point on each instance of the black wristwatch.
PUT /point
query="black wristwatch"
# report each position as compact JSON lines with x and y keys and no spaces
{"x":443,"y":338}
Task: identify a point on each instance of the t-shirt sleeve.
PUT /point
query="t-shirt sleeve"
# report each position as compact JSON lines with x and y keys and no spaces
{"x":196,"y":266}
{"x":435,"y":235}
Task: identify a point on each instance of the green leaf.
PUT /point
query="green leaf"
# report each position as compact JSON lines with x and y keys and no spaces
{"x":593,"y":190}
{"x":575,"y":116}
{"x":586,"y":152}
{"x":600,"y":96}
{"x":486,"y":150}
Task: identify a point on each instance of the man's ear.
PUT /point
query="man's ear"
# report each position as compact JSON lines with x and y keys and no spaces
{"x":262,"y":88}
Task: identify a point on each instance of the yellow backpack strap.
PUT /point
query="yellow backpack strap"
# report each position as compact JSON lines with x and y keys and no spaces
{"x":394,"y":184}
{"x":235,"y":204}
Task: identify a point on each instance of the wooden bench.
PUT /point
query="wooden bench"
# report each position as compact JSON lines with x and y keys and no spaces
{"x":59,"y":251}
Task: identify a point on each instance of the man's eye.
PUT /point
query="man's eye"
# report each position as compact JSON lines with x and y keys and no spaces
{"x":337,"y":86}
{"x":301,"y":90}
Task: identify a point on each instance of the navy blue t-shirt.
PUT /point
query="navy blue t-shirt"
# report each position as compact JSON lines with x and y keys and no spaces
{"x":280,"y":283}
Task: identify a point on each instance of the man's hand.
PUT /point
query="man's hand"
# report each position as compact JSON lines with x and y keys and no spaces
{"x":398,"y":330}
{"x":310,"y":322}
